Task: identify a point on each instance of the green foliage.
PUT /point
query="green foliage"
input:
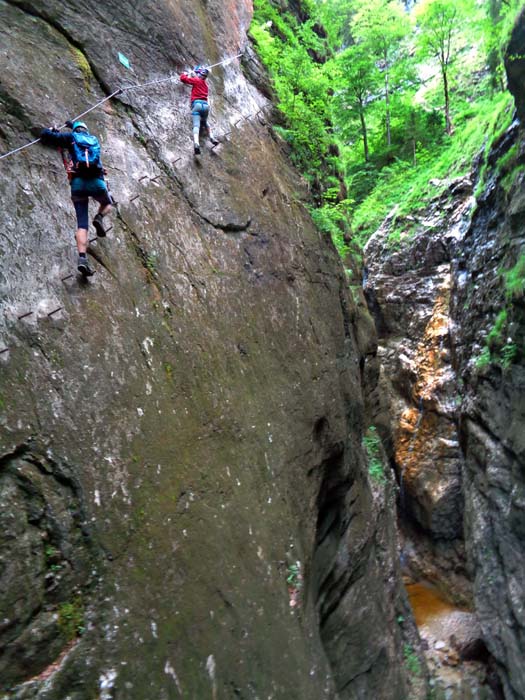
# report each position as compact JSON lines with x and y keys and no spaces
{"x":510,"y":179}
{"x":151,"y":262}
{"x":515,"y":280}
{"x":495,"y":336}
{"x":71,"y":618}
{"x":372,"y":446}
{"x":500,"y":16}
{"x":366,"y":102}
{"x":483,"y":359}
{"x":509,"y":353}
{"x":499,"y":348}
{"x":285,"y":46}
{"x":412,"y":662}
{"x":331,"y":219}
{"x":410,"y":188}
{"x":293,"y":577}
{"x":52,"y":557}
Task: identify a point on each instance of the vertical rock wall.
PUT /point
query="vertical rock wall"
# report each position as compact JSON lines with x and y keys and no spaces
{"x":181,"y":466}
{"x":493,"y":408}
{"x":408,"y":289}
{"x":450,"y":311}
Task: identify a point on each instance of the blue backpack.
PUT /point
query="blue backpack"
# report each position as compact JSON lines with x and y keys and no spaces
{"x":86,"y":154}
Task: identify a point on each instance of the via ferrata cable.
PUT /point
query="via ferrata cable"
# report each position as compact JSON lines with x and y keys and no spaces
{"x":109,"y":97}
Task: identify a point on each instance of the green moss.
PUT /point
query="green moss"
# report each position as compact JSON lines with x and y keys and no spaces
{"x":508,"y":159}
{"x":509,"y":353}
{"x":484,"y":359}
{"x":510,"y":179}
{"x":515,"y":280}
{"x":495,"y":337}
{"x":412,"y":662}
{"x":71,"y":618}
{"x":83,"y":64}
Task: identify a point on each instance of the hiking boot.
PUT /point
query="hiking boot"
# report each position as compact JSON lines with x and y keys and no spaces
{"x":214,"y":141}
{"x":83,"y":266}
{"x":99,"y":226}
{"x":197,"y":149}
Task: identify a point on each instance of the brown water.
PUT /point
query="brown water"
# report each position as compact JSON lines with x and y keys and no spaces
{"x":427,"y":605}
{"x":440,"y":623}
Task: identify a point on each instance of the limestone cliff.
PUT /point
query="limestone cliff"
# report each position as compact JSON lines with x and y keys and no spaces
{"x":408,"y":289}
{"x":449,"y":307}
{"x":488,"y":307}
{"x":186,"y":509}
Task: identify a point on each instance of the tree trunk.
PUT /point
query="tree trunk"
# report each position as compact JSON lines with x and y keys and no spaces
{"x":363,"y":130}
{"x":448,"y":123}
{"x":387,"y":109}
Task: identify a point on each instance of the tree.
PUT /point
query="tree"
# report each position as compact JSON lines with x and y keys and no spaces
{"x":383,"y":25}
{"x":357,"y":80}
{"x":439,"y":22}
{"x":336,"y":16}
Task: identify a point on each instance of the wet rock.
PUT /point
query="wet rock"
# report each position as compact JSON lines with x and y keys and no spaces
{"x":492,"y":411}
{"x":45,"y":563}
{"x":408,"y":290}
{"x":515,"y":65}
{"x":197,"y":408}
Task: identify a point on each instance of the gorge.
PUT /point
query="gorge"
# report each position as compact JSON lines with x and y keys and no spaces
{"x":189,"y":507}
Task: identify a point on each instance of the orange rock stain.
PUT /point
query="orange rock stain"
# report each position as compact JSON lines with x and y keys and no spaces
{"x":416,"y":428}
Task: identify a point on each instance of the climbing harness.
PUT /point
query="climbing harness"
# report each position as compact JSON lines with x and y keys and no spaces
{"x":119,"y":91}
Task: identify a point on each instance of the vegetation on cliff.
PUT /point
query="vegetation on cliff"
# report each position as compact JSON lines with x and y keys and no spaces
{"x":382,"y":106}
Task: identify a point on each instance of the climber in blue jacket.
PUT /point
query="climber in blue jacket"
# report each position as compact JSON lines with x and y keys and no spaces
{"x":87,"y":180}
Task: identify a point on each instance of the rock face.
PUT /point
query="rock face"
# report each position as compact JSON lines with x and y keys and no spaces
{"x":488,"y":303}
{"x":515,"y":65}
{"x":182,"y":475}
{"x":449,"y":306}
{"x":408,"y":289}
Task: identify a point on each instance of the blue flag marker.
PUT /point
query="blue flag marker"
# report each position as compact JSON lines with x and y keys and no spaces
{"x":125,"y":61}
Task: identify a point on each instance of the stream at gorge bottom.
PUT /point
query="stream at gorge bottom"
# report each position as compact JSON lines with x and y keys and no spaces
{"x":455,"y":654}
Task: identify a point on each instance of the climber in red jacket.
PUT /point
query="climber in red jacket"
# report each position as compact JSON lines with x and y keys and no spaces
{"x":200,"y":108}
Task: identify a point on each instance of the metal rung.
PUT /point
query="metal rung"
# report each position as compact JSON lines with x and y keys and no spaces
{"x":55,"y":311}
{"x":93,"y":239}
{"x":143,"y":178}
{"x":4,"y":350}
{"x":24,"y":315}
{"x":176,"y":161}
{"x":154,"y":179}
{"x":134,"y":198}
{"x":239,"y":120}
{"x":109,"y":229}
{"x":63,"y":279}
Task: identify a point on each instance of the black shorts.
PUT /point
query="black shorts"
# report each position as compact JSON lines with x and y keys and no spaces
{"x":81,"y":203}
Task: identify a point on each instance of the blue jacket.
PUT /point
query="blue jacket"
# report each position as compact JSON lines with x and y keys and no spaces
{"x":93,"y":185}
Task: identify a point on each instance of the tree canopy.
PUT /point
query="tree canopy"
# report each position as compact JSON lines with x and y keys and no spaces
{"x":376,"y":98}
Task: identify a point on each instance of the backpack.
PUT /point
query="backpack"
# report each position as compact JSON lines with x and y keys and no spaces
{"x":85,"y":150}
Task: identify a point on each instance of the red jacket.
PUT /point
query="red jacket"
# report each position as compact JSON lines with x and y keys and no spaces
{"x":199,"y":87}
